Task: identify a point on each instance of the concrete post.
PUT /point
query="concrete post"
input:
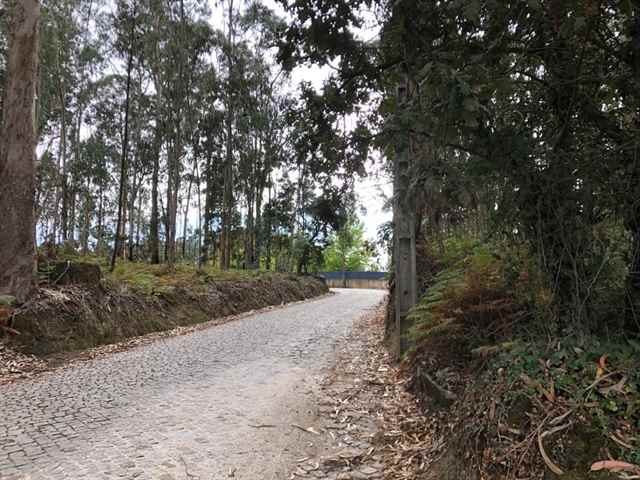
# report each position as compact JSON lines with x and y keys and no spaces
{"x":404,"y":233}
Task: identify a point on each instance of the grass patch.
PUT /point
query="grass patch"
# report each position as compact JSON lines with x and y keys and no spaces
{"x":157,"y":279}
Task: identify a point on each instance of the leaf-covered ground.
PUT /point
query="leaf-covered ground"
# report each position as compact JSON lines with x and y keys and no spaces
{"x":372,"y":426}
{"x":531,"y":399}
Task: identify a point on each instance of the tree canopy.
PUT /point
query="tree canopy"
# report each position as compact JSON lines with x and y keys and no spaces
{"x":521,"y":120}
{"x":348,"y":250}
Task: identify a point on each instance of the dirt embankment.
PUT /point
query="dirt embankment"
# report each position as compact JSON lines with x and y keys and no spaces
{"x":507,"y":401}
{"x":76,"y":317}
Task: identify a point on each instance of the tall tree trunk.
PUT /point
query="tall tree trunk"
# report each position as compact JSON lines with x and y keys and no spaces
{"x":159,"y":139}
{"x":64,"y":187}
{"x":257,"y":229}
{"x":227,"y":214}
{"x":632,"y":208}
{"x":86,"y":218}
{"x":173,"y":186}
{"x":209,"y":239}
{"x":186,"y":216}
{"x":71,"y":228}
{"x":268,"y":230}
{"x":175,"y":153}
{"x":100,"y":226}
{"x":154,"y":234}
{"x":249,"y":230}
{"x":17,"y":153}
{"x":199,"y":246}
{"x":123,"y":158}
{"x":73,"y":193}
{"x":138,"y":224}
{"x":227,"y":201}
{"x":133,"y":195}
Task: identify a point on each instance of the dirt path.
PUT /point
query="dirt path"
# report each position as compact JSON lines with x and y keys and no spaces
{"x":369,"y":426}
{"x":216,"y":404}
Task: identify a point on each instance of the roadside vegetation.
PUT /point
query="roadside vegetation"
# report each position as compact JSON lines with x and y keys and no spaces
{"x":525,"y":393}
{"x":76,"y":307}
{"x":144,"y":277}
{"x":164,"y":133}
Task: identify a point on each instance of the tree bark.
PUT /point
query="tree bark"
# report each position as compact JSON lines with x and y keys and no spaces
{"x":209,"y":239}
{"x":175,"y":152}
{"x":86,"y":218}
{"x":199,"y":246}
{"x":17,"y":153}
{"x":173,"y":186}
{"x":133,"y":196}
{"x":138,"y":225}
{"x":100,"y":226}
{"x":63,"y":169}
{"x":123,"y":159}
{"x":185,"y":224}
{"x":632,"y":207}
{"x":154,"y":237}
{"x":269,"y":229}
{"x":71,"y":222}
{"x":227,"y":201}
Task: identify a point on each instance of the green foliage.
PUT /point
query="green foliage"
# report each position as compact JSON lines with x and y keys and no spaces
{"x":348,"y":250}
{"x":486,"y":314}
{"x":511,"y":109}
{"x":470,"y":295}
{"x":598,"y":378}
{"x":215,"y":127}
{"x":154,"y":279}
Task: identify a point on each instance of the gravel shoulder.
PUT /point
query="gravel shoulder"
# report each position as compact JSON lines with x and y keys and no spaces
{"x":215,"y":403}
{"x":369,"y":427}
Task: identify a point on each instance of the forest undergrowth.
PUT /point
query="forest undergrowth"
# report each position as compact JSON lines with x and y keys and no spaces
{"x":518,"y":390}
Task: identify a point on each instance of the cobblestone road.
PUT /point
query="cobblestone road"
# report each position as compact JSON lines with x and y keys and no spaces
{"x":214,"y":404}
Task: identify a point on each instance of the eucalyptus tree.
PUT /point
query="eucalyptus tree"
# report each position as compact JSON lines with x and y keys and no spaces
{"x":126,"y":16}
{"x":230,"y":100}
{"x":209,"y":135}
{"x":71,"y":65}
{"x":183,"y":41}
{"x":4,"y":47}
{"x":17,"y":151}
{"x":59,"y":80}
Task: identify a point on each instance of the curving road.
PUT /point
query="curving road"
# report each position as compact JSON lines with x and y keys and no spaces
{"x":215,"y":404}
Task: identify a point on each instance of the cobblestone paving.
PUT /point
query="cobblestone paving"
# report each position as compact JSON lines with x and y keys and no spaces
{"x":215,"y":404}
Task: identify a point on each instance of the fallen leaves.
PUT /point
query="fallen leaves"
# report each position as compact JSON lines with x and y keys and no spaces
{"x":547,"y":460}
{"x":602,"y":365}
{"x":14,"y":365}
{"x":372,"y":427}
{"x":307,"y":429}
{"x":548,"y":393}
{"x":615,"y":466}
{"x":382,"y":415}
